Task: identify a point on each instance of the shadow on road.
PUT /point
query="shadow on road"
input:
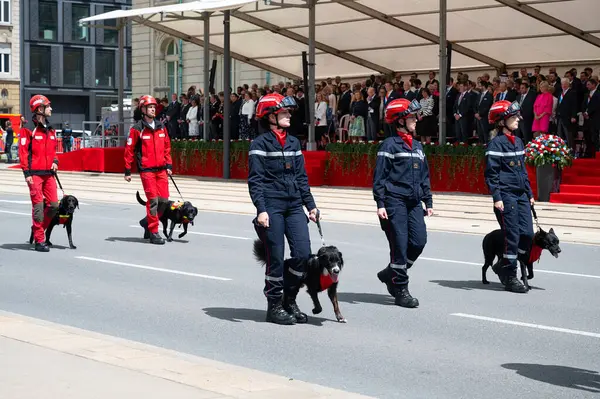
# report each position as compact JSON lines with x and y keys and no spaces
{"x":26,"y":247}
{"x":568,"y":377}
{"x":468,"y":285}
{"x":238,"y":315}
{"x":138,"y":240}
{"x":363,"y":297}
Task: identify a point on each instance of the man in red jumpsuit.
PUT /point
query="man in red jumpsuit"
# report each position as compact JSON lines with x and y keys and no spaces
{"x":149,"y":143}
{"x":37,"y":152}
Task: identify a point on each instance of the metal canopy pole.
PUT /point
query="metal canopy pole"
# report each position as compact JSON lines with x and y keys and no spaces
{"x":311,"y":145}
{"x":227,"y":96}
{"x":443,"y":73}
{"x":122,"y":70}
{"x":206,"y":113}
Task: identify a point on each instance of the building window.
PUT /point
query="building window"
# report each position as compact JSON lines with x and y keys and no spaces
{"x":172,"y":63}
{"x":5,"y":12}
{"x":48,"y":20}
{"x":39,"y":61}
{"x":5,"y":60}
{"x":73,"y":67}
{"x":79,"y":33}
{"x":105,"y":68}
{"x":111,"y":37}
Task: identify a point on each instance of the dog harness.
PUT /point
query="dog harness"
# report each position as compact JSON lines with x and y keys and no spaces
{"x":536,"y":253}
{"x":326,"y":281}
{"x":63,"y":219}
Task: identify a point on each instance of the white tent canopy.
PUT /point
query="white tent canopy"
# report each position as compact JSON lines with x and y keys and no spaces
{"x":363,"y":37}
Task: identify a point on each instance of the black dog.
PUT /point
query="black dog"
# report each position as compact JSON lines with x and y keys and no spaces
{"x":322,"y":272}
{"x":493,"y":246}
{"x":178,"y":213}
{"x":64,"y":216}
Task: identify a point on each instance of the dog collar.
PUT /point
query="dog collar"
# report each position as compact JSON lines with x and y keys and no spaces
{"x":536,"y":253}
{"x":185,"y":220}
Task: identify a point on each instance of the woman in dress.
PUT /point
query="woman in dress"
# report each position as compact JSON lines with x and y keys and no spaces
{"x":542,"y":110}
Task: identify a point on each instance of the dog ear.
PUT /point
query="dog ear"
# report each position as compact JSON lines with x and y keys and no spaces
{"x":341,"y":258}
{"x":551,"y":230}
{"x":76,"y":202}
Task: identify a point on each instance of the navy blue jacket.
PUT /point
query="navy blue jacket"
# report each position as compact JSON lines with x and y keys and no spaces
{"x":505,"y":170}
{"x":401,"y":173}
{"x":277,"y":172}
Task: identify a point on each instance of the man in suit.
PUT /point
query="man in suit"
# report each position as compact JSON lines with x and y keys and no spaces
{"x":451,"y":94}
{"x":505,"y":93}
{"x":526,"y":99}
{"x":409,"y":94}
{"x":373,"y":103}
{"x":345,"y":100}
{"x":173,"y":111}
{"x":566,"y":113}
{"x":185,"y":107}
{"x":463,"y":113}
{"x":234,"y":116}
{"x":591,"y":116}
{"x":484,"y":103}
{"x":555,"y":82}
{"x":390,"y":95}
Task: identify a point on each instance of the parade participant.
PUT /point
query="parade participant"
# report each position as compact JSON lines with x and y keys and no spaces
{"x":37,"y":153}
{"x":149,"y":143}
{"x":506,"y":177}
{"x":279,"y":189}
{"x":400,"y":185}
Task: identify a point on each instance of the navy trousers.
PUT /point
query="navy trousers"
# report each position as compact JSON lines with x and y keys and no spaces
{"x":517,"y":226}
{"x":406,"y":234}
{"x":286,"y":218}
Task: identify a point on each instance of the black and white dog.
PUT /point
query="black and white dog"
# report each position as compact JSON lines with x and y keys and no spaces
{"x":493,"y":246}
{"x":64,"y":216}
{"x":322,"y":272}
{"x":178,"y":213}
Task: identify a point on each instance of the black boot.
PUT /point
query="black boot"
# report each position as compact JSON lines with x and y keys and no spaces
{"x":290,"y":306}
{"x":41,"y":247}
{"x":385,"y":276}
{"x":144,"y":224}
{"x":277,"y":314}
{"x":514,"y":285}
{"x":155,"y":238}
{"x":497,"y":268}
{"x":404,"y":299}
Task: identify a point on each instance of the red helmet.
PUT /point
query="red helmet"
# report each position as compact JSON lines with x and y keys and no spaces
{"x":38,"y":101}
{"x":400,"y":108}
{"x":274,"y":104}
{"x":147,"y":100}
{"x":503,"y":110}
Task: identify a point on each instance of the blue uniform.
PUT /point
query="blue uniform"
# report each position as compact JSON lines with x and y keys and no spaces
{"x":506,"y":178}
{"x":278,"y":185}
{"x":400,"y":184}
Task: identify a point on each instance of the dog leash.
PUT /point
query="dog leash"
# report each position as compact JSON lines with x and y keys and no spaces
{"x":535,"y":217}
{"x":173,"y":180}
{"x":58,"y":181}
{"x":319,"y":227}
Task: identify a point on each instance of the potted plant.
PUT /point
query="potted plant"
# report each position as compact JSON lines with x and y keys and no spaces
{"x":549,"y":154}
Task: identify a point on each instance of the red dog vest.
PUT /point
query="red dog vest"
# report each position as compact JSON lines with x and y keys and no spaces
{"x":535,"y":254}
{"x":62,"y":219}
{"x":326,"y":281}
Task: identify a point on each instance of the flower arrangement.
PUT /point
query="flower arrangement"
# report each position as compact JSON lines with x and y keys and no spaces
{"x":548,"y":149}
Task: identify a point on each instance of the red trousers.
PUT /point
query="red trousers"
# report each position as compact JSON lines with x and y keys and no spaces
{"x":43,"y":188}
{"x":156,"y":187}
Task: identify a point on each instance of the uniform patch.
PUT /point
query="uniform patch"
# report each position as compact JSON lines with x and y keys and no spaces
{"x":39,"y":137}
{"x":518,"y":163}
{"x":23,"y":140}
{"x":129,"y":141}
{"x":146,"y":137}
{"x":161,"y":135}
{"x":288,"y":165}
{"x":512,"y":163}
{"x":416,"y":165}
{"x":52,"y":138}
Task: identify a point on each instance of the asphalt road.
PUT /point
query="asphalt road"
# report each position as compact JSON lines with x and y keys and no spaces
{"x":466,"y":340}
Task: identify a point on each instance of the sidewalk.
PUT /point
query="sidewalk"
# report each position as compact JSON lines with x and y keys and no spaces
{"x":47,"y":360}
{"x":471,"y":214}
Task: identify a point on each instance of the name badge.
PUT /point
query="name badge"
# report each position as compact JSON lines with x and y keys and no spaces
{"x":146,"y":137}
{"x":161,"y":135}
{"x":39,"y":137}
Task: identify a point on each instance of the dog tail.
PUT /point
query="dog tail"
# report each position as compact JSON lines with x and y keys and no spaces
{"x":260,"y":252}
{"x":139,"y":198}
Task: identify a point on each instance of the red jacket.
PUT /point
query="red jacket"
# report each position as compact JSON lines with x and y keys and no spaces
{"x":37,"y":150}
{"x":151,"y":148}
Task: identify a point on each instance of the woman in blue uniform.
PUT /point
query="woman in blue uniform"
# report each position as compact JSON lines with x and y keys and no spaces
{"x":400,"y":185}
{"x":279,"y":189}
{"x":506,"y":178}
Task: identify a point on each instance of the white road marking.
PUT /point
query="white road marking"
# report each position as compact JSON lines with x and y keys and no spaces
{"x":205,"y":234}
{"x":520,"y":324}
{"x":535,"y":270}
{"x":16,"y":213}
{"x":156,"y":269}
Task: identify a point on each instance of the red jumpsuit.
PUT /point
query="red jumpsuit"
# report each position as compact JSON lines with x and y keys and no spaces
{"x":152,"y":151}
{"x":37,"y":153}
